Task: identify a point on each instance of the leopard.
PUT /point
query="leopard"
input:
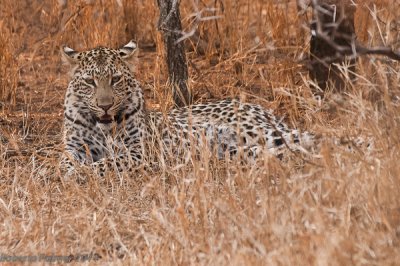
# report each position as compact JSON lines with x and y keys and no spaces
{"x":106,"y":121}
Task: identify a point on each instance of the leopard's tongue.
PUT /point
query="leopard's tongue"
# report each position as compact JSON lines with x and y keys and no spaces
{"x":105,"y":119}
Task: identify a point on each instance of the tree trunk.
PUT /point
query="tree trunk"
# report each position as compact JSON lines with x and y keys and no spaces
{"x":170,"y":25}
{"x":333,"y":36}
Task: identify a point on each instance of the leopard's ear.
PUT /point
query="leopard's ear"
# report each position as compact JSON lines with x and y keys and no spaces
{"x":70,"y":57}
{"x":69,"y":54}
{"x":128,"y":50}
{"x":129,"y":53}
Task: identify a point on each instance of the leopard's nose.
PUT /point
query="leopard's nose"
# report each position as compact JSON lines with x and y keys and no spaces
{"x":105,"y":107}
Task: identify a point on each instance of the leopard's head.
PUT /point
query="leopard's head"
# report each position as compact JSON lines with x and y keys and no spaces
{"x":102,"y":78}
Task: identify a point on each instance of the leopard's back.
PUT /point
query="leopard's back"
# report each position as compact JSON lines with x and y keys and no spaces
{"x":228,"y":126}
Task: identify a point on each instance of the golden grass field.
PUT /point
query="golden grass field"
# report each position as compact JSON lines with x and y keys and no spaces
{"x":335,"y":208}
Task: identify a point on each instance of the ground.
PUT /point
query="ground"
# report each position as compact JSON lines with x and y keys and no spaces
{"x":336,"y":207}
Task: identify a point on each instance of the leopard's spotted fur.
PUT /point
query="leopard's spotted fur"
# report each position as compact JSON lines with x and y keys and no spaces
{"x":105,"y":116}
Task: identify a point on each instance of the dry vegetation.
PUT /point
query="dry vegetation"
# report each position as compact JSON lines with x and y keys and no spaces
{"x":338,"y":207}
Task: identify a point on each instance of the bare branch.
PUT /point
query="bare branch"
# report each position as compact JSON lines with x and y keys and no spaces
{"x":355,"y":49}
{"x":334,"y":43}
{"x":198,"y":18}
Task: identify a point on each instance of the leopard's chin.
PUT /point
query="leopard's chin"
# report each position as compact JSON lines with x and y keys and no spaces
{"x":105,"y":119}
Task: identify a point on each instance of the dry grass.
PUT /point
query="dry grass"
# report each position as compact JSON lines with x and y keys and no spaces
{"x":339,"y":208}
{"x":8,"y":67}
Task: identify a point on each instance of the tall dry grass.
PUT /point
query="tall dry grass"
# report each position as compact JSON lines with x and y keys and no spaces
{"x":8,"y":67}
{"x":336,"y":207}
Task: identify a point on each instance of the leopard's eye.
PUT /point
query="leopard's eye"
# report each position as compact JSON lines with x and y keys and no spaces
{"x":115,"y":79}
{"x":90,"y":82}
